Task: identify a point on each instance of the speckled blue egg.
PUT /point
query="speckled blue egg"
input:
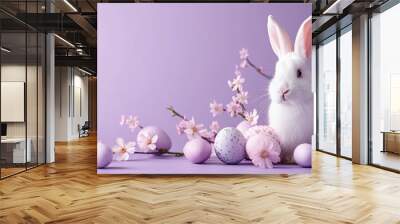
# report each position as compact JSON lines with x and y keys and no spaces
{"x":230,"y":146}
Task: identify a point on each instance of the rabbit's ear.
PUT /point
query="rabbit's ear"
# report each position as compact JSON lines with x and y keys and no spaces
{"x":302,"y":45}
{"x":279,"y":38}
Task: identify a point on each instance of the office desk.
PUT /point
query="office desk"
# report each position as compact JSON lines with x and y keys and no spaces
{"x":15,"y":148}
{"x":391,"y":141}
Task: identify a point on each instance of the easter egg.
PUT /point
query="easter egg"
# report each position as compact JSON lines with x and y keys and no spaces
{"x":261,"y":129}
{"x":104,"y":155}
{"x":197,"y":150}
{"x":229,"y":146}
{"x":257,"y":145}
{"x":163,"y":141}
{"x":302,"y":155}
{"x":243,"y":127}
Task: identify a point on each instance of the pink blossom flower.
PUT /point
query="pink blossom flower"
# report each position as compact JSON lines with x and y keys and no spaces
{"x":237,"y":71}
{"x":251,"y":117}
{"x":132,"y":122}
{"x":216,"y":108}
{"x":241,"y":97}
{"x":214,"y":126}
{"x":265,"y":157}
{"x":193,"y":130}
{"x":244,"y":53}
{"x":147,"y":141}
{"x":122,"y":120}
{"x":181,"y":126}
{"x":244,"y":63}
{"x":237,"y":83}
{"x":123,"y":150}
{"x":233,"y":108}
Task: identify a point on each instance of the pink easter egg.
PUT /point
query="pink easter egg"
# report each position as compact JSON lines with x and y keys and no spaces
{"x":197,"y":150}
{"x":302,"y":155}
{"x":262,"y":129}
{"x":104,"y":155}
{"x":163,"y":141}
{"x":258,"y":142}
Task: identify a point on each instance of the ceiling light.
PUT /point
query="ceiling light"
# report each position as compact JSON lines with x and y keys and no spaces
{"x":70,"y":5}
{"x":5,"y":50}
{"x":64,"y":40}
{"x":84,"y":71}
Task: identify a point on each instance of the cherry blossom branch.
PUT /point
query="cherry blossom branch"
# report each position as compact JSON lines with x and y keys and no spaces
{"x":240,"y":114}
{"x":175,"y":113}
{"x":258,"y":69}
{"x":160,"y":152}
{"x":241,"y":104}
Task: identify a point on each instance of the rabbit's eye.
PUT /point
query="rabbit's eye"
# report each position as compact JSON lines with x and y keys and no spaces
{"x":299,"y":75}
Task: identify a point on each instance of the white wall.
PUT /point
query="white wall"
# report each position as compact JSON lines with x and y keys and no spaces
{"x":71,"y":93}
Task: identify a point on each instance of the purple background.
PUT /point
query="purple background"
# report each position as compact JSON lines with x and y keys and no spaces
{"x":154,"y":55}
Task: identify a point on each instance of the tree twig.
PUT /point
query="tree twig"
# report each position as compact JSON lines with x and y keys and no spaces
{"x":258,"y":69}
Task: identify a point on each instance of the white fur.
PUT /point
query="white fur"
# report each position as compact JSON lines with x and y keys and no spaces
{"x":291,"y":114}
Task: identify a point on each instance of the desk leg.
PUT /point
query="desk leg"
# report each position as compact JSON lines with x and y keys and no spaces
{"x":384,"y":142}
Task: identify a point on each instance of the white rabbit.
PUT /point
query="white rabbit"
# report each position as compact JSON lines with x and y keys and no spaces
{"x":291,"y":108}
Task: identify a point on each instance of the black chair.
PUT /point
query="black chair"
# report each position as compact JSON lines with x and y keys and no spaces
{"x":84,"y":130}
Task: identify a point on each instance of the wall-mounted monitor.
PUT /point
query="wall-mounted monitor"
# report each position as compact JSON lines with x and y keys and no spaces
{"x":12,"y":101}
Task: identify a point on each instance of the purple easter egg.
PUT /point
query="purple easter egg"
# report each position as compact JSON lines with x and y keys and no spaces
{"x":163,"y":141}
{"x":197,"y":150}
{"x":230,"y":146}
{"x":243,"y":127}
{"x":104,"y":155}
{"x":302,"y":155}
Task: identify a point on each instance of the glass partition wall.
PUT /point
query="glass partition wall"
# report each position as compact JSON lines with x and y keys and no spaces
{"x":327,"y":95}
{"x":334,"y":94}
{"x":385,"y":89}
{"x":22,"y":98}
{"x":345,"y":65}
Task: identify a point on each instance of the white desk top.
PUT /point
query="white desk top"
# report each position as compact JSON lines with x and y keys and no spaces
{"x":13,"y":140}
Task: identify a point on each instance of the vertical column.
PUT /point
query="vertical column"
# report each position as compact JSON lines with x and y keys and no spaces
{"x":314,"y":90}
{"x":360,"y":90}
{"x":50,"y":92}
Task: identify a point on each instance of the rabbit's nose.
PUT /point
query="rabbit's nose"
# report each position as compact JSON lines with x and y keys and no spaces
{"x":285,"y":93}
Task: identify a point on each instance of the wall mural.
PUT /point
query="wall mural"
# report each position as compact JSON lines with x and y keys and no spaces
{"x":204,"y":89}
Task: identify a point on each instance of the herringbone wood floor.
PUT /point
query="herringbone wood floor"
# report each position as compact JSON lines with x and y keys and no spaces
{"x":69,"y":191}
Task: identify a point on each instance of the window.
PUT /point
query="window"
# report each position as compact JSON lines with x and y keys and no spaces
{"x":327,"y":96}
{"x":346,"y":92}
{"x":385,"y":89}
